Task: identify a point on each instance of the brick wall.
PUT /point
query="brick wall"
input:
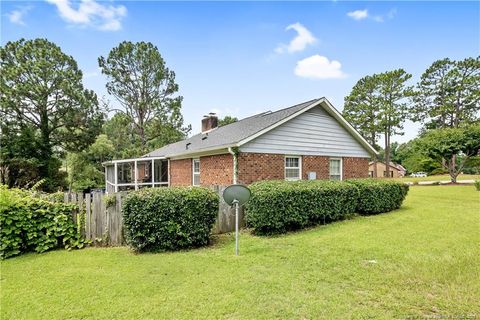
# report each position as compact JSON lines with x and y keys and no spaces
{"x":260,"y":166}
{"x":216,"y":170}
{"x":181,"y":172}
{"x":318,"y":164}
{"x":355,"y":168}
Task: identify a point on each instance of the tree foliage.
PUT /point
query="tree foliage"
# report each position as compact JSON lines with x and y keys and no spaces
{"x":227,"y":120}
{"x":443,"y":144}
{"x":146,"y":89}
{"x":42,"y":97}
{"x":85,"y":170}
{"x":378,"y":105}
{"x":448,"y":94}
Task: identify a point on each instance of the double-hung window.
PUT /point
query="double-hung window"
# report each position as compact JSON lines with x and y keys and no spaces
{"x":293,"y":168}
{"x":335,"y":169}
{"x":196,"y":172}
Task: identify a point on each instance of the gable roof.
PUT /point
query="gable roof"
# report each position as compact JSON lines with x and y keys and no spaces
{"x":393,"y":165}
{"x":247,"y":129}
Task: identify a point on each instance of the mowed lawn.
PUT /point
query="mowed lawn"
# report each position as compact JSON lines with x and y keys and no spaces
{"x":421,"y":260}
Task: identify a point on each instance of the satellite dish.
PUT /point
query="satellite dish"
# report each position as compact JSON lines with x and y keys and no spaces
{"x":236,"y":193}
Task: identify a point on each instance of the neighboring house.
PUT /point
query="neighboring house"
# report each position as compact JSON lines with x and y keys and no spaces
{"x":396,"y":170}
{"x":310,"y":140}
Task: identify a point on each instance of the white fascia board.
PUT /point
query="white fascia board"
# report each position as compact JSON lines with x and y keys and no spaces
{"x":107,"y":163}
{"x":201,"y":153}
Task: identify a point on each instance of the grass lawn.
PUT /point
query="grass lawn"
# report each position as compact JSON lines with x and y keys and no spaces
{"x":440,"y":177}
{"x":421,"y":260}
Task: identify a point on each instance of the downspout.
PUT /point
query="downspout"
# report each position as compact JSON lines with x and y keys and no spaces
{"x":234,"y":153}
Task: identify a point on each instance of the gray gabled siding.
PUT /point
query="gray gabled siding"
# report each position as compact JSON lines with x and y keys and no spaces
{"x":312,"y":133}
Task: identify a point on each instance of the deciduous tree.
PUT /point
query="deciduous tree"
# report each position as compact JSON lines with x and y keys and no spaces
{"x":442,"y":144}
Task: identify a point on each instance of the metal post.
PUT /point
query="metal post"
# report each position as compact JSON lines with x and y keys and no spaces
{"x":153,"y":173}
{"x":116,"y":177}
{"x":236,"y":226}
{"x":136,"y":175}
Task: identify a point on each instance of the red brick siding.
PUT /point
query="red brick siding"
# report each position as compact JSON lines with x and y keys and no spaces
{"x":181,"y":172}
{"x":260,"y":166}
{"x":216,"y":170}
{"x":355,"y":168}
{"x":318,"y":164}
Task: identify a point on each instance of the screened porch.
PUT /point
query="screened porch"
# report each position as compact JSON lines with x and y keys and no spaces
{"x":134,"y":174}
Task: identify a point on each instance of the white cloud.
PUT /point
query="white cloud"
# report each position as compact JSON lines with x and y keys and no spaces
{"x":319,"y":67}
{"x":91,"y":13}
{"x":300,"y":42}
{"x":363,"y":14}
{"x":358,"y":14}
{"x":16,"y":16}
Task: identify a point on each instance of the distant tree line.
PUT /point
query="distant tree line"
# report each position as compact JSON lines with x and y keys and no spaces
{"x":446,"y":101}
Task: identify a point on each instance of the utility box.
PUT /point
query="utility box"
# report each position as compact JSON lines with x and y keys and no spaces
{"x":312,"y":175}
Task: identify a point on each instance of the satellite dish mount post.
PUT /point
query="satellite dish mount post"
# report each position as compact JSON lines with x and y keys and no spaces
{"x":235,"y":202}
{"x":237,"y":195}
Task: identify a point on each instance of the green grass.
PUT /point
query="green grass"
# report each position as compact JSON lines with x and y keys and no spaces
{"x":427,"y":258}
{"x":440,"y":177}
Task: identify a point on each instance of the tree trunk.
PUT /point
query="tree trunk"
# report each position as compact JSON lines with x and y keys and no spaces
{"x":452,"y":167}
{"x":387,"y":154}
{"x":375,"y":160}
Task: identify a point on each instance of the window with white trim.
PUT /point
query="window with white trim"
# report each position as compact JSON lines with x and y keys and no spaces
{"x":335,"y":169}
{"x":293,"y":167}
{"x":196,"y":172}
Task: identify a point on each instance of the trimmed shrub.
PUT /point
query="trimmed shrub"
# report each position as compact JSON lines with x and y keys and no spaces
{"x":378,"y":196}
{"x":160,"y":219}
{"x":280,"y":206}
{"x":477,"y":185}
{"x":32,"y":224}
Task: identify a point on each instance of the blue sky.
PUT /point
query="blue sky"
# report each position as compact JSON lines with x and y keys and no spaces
{"x":240,"y":58}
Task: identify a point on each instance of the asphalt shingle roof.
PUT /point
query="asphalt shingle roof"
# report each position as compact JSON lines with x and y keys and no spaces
{"x":228,"y":135}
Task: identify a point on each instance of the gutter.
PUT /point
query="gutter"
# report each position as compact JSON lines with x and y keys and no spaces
{"x":234,"y":153}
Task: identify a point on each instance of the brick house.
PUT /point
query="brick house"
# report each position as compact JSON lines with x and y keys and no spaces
{"x":310,"y":140}
{"x":396,"y":170}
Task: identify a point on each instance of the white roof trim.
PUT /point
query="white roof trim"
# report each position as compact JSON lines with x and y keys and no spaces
{"x":331,"y":110}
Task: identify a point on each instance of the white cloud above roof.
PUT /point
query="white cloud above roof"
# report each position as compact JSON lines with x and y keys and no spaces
{"x":16,"y":16}
{"x":358,"y":14}
{"x":90,"y":13}
{"x":319,"y":67}
{"x":303,"y":39}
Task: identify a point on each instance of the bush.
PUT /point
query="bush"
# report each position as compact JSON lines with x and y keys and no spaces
{"x":378,"y":196}
{"x":32,"y":224}
{"x":161,"y":219}
{"x":477,"y":185}
{"x":280,"y":206}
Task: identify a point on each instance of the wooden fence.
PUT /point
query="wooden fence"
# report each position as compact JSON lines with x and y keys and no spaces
{"x":102,"y":223}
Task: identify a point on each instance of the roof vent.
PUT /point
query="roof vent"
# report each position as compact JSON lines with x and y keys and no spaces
{"x":209,"y":122}
{"x":187,"y":145}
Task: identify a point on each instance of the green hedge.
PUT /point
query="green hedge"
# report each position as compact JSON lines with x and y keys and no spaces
{"x":32,"y":224}
{"x":280,"y":206}
{"x":477,"y":185}
{"x":378,"y":196}
{"x":161,"y":219}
